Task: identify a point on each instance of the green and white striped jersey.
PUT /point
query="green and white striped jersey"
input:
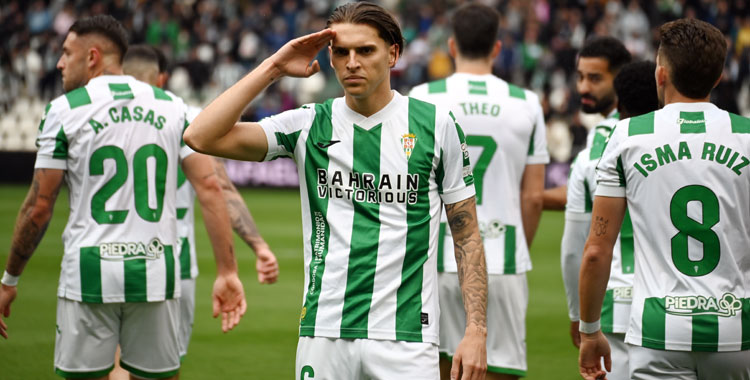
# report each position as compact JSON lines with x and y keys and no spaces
{"x":186,"y":215}
{"x":372,"y":190}
{"x":505,"y":131}
{"x":120,"y":143}
{"x":581,"y":190}
{"x":684,"y":171}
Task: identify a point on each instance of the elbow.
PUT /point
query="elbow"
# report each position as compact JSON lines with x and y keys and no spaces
{"x":596,"y":256}
{"x":533,"y":200}
{"x":190,"y":138}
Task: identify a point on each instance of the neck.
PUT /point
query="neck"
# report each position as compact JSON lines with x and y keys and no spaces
{"x":609,"y":110}
{"x":671,"y":95}
{"x":370,"y":104}
{"x":106,"y":69}
{"x":480,"y":66}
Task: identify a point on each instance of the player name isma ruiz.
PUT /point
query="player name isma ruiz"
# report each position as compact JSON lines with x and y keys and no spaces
{"x":717,"y":153}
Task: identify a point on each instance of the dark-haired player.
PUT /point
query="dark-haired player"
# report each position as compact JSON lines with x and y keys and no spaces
{"x":116,"y":142}
{"x":375,"y":170}
{"x":506,"y":135}
{"x":682,"y":172}
{"x":636,"y":93}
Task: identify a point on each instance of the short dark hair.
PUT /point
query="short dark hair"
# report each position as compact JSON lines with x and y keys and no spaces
{"x":694,"y":52}
{"x":635,"y":86}
{"x":162,"y":59}
{"x":105,"y":26}
{"x":475,"y":29}
{"x":142,"y":52}
{"x":608,"y":48}
{"x":373,"y":15}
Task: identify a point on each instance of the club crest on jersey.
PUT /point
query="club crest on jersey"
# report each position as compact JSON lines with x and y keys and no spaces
{"x":130,"y":251}
{"x":726,"y":306}
{"x":409,"y":142}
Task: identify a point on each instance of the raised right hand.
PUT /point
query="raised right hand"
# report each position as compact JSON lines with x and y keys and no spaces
{"x":293,"y":59}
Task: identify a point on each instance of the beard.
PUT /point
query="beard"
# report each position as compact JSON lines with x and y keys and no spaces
{"x":599,"y":106}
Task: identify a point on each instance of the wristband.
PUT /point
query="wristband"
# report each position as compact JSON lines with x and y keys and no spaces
{"x":589,"y":327}
{"x":9,"y":279}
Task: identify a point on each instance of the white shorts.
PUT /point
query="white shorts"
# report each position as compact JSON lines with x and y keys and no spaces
{"x":650,"y":364}
{"x":187,"y":313}
{"x":88,"y":334}
{"x":321,"y":358}
{"x":619,"y":355}
{"x":507,"y":300}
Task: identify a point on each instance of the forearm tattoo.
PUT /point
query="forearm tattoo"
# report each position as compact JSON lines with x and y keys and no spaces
{"x":239,"y":215}
{"x":600,"y":226}
{"x":472,"y":269}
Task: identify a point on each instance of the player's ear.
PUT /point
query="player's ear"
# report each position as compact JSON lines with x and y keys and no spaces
{"x":452,"y":47}
{"x":93,"y":56}
{"x":496,"y":49}
{"x":330,"y":56}
{"x":393,"y":54}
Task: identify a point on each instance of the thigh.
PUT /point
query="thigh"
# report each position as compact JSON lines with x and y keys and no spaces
{"x":86,"y":338}
{"x":452,"y":314}
{"x":187,"y":313}
{"x":507,"y":301}
{"x":619,"y":354}
{"x":149,"y":339}
{"x":724,"y":365}
{"x":393,"y":360}
{"x":321,"y":358}
{"x":650,"y":364}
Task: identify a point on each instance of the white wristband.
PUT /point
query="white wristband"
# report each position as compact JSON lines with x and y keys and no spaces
{"x":589,"y":327}
{"x":9,"y":279}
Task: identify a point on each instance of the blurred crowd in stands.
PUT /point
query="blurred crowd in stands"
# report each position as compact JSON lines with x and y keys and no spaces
{"x":212,"y":43}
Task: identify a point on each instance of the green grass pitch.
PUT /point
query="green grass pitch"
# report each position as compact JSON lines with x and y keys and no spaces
{"x":263,"y":345}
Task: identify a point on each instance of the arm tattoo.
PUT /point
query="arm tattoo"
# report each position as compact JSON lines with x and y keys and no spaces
{"x":600,"y":226}
{"x":239,"y":215}
{"x":469,"y":250}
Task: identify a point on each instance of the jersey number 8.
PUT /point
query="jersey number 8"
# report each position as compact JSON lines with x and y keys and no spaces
{"x":700,"y":231}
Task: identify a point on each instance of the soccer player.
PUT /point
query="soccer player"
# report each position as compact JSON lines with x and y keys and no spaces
{"x":505,"y":129}
{"x":636,"y":93}
{"x":599,"y":61}
{"x":149,"y":65}
{"x":682,"y":171}
{"x":375,"y":169}
{"x":116,"y":142}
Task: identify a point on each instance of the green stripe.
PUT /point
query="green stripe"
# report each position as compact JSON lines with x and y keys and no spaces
{"x":288,"y":141}
{"x":44,"y":117}
{"x":363,"y":254}
{"x":516,"y":92}
{"x":627,"y":246}
{"x":185,"y":259}
{"x":530,"y":152}
{"x":698,"y":119}
{"x":135,"y":280}
{"x":169,"y":264}
{"x":620,"y":171}
{"x":468,"y":179}
{"x":78,"y":97}
{"x":120,"y":91}
{"x":705,"y":333}
{"x":83,"y":375}
{"x":599,"y":142}
{"x":409,"y":294}
{"x":653,"y":323}
{"x":441,"y":247}
{"x":61,"y":145}
{"x":510,"y":250}
{"x":161,"y":94}
{"x":588,"y":203}
{"x":321,"y":130}
{"x":745,"y":324}
{"x":181,"y":212}
{"x":148,"y":375}
{"x":440,"y":173}
{"x":437,"y":86}
{"x":608,"y":312}
{"x":477,"y":87}
{"x":641,"y":125}
{"x":739,"y":124}
{"x":91,"y":275}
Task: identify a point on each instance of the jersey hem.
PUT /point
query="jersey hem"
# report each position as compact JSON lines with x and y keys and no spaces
{"x":458,"y":195}
{"x":606,"y":190}
{"x":656,"y":344}
{"x":368,"y":334}
{"x":44,"y":162}
{"x":78,"y":297}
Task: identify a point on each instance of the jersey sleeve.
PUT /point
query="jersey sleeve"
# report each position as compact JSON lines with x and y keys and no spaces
{"x":52,"y":140}
{"x":455,"y":180}
{"x":185,"y":150}
{"x":283,"y":130}
{"x":538,"y":153}
{"x":610,"y":174}
{"x":571,"y":252}
{"x":578,"y":203}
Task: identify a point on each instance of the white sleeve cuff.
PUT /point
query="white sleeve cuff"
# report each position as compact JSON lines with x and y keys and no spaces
{"x":540,"y":159}
{"x":46,"y":162}
{"x":605,"y":190}
{"x":577,"y":216}
{"x":458,"y":195}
